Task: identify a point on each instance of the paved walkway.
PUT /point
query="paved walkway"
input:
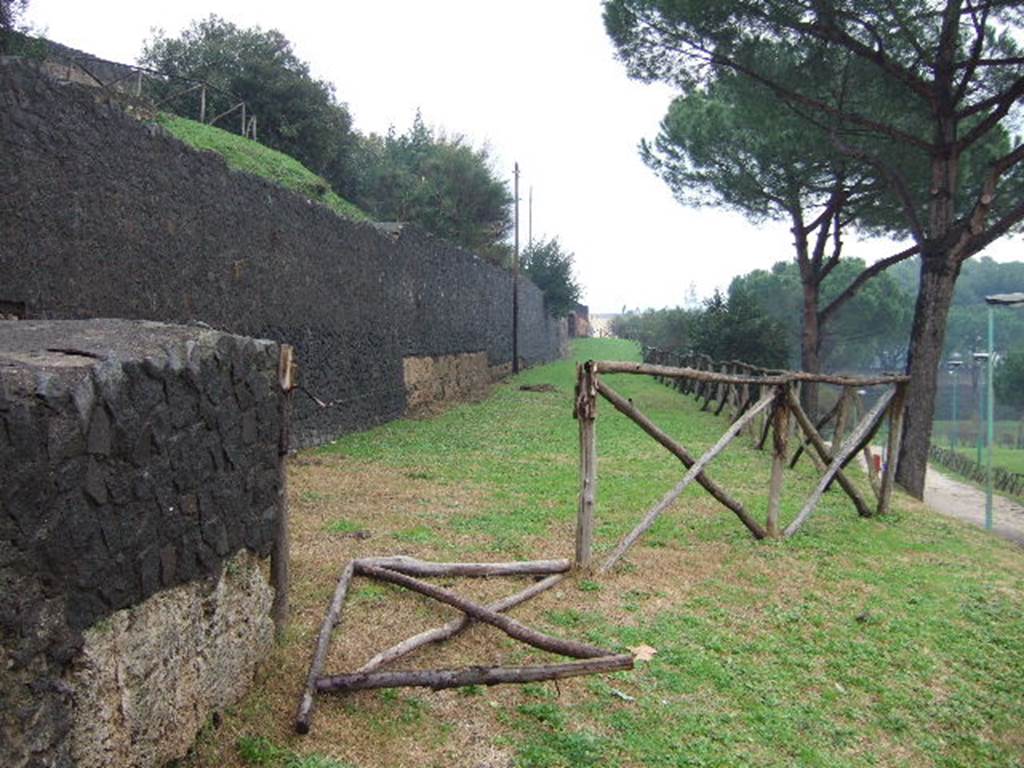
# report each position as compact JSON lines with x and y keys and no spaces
{"x":966,"y":502}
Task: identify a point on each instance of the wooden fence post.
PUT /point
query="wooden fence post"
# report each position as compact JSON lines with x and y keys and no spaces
{"x":586,"y":414}
{"x":893,"y":447}
{"x":780,"y":430}
{"x":281,"y":552}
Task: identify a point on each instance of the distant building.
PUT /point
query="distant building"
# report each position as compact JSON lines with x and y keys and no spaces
{"x":579,"y":322}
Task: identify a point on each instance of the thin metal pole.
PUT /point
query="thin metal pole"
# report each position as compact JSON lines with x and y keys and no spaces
{"x":988,"y":442}
{"x":515,"y":282}
{"x":956,"y":422}
{"x":981,"y":418}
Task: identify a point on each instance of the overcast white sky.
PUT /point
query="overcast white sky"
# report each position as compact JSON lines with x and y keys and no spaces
{"x":537,"y":81}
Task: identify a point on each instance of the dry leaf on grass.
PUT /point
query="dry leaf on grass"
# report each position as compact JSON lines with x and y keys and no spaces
{"x":643,"y":652}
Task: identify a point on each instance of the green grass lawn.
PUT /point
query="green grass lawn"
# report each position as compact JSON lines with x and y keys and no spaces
{"x":877,"y":642}
{"x":1011,"y":459}
{"x":252,"y":157}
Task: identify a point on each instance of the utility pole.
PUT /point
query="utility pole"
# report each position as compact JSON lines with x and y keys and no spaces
{"x":529,"y":225}
{"x":515,"y":282}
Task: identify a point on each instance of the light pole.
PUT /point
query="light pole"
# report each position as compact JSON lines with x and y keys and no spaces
{"x":515,"y":281}
{"x":995,"y":300}
{"x":979,"y":359}
{"x":954,"y":368}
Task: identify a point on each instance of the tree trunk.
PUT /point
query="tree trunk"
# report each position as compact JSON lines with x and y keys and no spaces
{"x":938,"y":278}
{"x":810,"y":345}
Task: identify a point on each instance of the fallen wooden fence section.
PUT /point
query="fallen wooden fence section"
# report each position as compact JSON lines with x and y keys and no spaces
{"x":403,"y":571}
{"x":745,"y":393}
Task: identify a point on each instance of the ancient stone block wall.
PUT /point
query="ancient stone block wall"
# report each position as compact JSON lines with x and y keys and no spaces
{"x":139,"y":463}
{"x":102,"y":215}
{"x":445,"y":378}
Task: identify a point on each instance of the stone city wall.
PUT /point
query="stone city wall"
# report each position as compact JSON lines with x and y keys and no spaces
{"x":102,"y":215}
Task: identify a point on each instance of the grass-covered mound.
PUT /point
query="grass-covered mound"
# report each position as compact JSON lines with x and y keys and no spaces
{"x":252,"y":157}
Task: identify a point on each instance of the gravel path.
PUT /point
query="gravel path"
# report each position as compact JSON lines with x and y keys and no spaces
{"x":955,"y":499}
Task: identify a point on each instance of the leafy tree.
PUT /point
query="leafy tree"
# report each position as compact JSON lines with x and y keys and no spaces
{"x":1009,"y":381}
{"x":10,"y":13}
{"x":550,"y":267}
{"x":967,"y":324}
{"x":735,"y":328}
{"x":953,"y":74}
{"x":440,"y":182}
{"x":669,"y":329}
{"x":729,"y":145}
{"x":297,"y":113}
{"x":868,"y":332}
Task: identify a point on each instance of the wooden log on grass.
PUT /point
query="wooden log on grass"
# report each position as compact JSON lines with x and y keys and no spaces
{"x":509,"y":626}
{"x":413,"y":567}
{"x":816,"y":440}
{"x":455,"y":626}
{"x":438,"y":679}
{"x":667,"y":500}
{"x":306,"y":702}
{"x":625,"y":407}
{"x":850,"y":447}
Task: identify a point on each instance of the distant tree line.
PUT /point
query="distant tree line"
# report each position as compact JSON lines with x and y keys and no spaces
{"x":732,"y":327}
{"x":759,"y":320}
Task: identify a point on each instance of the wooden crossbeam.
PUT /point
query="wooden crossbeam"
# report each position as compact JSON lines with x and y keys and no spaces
{"x":818,"y":426}
{"x":625,"y":407}
{"x":655,"y":512}
{"x":850,"y":447}
{"x":614,"y":366}
{"x":818,"y":443}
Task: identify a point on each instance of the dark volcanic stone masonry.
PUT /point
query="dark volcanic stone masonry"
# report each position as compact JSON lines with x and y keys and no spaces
{"x":134,"y":457}
{"x":105,"y":216}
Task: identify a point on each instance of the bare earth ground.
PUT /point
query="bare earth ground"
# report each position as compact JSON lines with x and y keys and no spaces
{"x":965,"y":502}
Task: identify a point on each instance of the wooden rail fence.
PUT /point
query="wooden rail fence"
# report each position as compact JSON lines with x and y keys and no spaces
{"x":760,"y":402}
{"x":748,"y":395}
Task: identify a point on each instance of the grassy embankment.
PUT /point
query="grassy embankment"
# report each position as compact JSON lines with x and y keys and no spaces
{"x":259,"y":160}
{"x":880,"y":642}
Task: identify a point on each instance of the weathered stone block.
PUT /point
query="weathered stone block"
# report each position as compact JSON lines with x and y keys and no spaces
{"x":130,"y":577}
